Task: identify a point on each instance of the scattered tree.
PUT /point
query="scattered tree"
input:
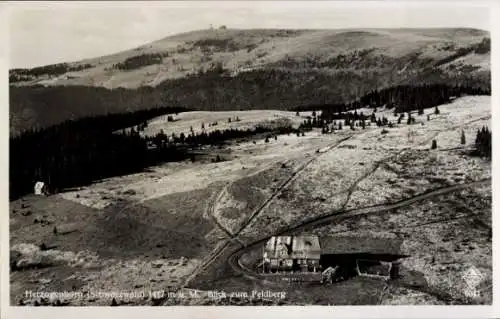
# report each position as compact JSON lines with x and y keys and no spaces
{"x":483,"y":142}
{"x":434,"y":145}
{"x":409,"y":119}
{"x":462,"y":138}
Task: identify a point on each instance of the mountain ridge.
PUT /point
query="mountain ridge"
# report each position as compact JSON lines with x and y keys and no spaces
{"x":187,"y":53}
{"x":234,"y":69}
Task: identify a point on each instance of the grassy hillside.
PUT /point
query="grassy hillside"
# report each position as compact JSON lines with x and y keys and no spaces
{"x":225,"y":69}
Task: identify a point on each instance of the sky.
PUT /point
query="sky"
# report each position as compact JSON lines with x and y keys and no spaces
{"x":44,"y":33}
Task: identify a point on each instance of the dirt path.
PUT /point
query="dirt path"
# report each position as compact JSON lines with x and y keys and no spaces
{"x":218,"y":251}
{"x":287,"y":182}
{"x":211,"y":213}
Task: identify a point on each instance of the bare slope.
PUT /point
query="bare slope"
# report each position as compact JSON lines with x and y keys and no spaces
{"x":242,"y":50}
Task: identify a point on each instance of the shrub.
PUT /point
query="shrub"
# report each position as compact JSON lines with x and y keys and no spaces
{"x":140,"y":61}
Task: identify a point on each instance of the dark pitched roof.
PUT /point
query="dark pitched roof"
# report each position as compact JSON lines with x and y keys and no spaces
{"x":359,"y":245}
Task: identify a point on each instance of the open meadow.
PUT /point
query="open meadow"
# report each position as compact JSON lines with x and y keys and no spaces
{"x":166,"y":227}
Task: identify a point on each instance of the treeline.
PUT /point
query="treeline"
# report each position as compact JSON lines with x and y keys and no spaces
{"x":209,"y":91}
{"x":406,"y":98}
{"x":16,"y":75}
{"x":215,"y":137}
{"x":402,"y":98}
{"x":482,"y":47}
{"x":140,"y":61}
{"x":76,"y":153}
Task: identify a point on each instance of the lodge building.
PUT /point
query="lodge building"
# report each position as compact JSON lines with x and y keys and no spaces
{"x":292,"y":254}
{"x":310,"y":258}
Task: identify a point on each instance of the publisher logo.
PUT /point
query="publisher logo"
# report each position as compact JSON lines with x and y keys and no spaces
{"x":472,"y":277}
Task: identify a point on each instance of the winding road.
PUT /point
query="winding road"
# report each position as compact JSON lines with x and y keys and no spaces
{"x":234,"y":258}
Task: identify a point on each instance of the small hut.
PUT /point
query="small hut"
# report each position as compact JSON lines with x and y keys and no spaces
{"x":362,"y":255}
{"x":40,"y":188}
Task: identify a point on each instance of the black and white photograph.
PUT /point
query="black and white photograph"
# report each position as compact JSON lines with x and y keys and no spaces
{"x":241,"y":153}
